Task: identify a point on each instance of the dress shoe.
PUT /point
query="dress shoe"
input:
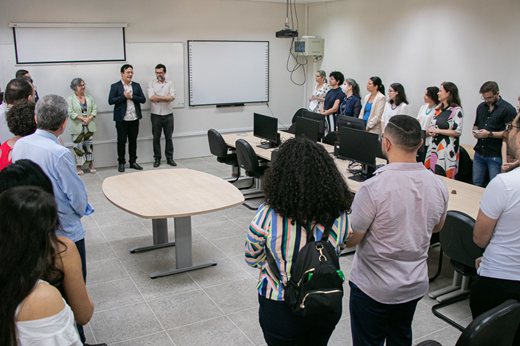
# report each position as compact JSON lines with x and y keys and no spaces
{"x":171,"y":162}
{"x":136,"y":166}
{"x":103,"y":344}
{"x":121,"y":167}
{"x":157,"y":163}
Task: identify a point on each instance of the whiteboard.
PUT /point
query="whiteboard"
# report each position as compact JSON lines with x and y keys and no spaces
{"x":228,"y":72}
{"x":69,"y":44}
{"x":56,"y":78}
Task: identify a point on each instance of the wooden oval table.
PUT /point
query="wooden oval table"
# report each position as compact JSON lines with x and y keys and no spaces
{"x":177,"y":193}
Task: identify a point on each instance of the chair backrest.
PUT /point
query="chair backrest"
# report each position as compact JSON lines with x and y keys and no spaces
{"x":217,"y":145}
{"x":497,"y":326}
{"x":465,"y":172}
{"x":246,"y":156}
{"x":331,"y":137}
{"x":456,"y":238}
{"x":298,"y":113}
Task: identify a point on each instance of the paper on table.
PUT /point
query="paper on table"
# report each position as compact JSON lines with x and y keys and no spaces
{"x":313,"y":104}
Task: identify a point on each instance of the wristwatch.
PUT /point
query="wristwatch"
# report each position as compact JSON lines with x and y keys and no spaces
{"x":490,"y":135}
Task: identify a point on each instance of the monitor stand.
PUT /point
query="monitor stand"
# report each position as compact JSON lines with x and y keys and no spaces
{"x":268,"y":145}
{"x":367,"y":172}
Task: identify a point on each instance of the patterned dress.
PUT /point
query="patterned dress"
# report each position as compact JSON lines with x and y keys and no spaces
{"x":321,"y":92}
{"x":442,"y":157}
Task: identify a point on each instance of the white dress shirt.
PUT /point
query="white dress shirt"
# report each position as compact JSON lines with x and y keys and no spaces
{"x":130,"y":115}
{"x":161,"y":89}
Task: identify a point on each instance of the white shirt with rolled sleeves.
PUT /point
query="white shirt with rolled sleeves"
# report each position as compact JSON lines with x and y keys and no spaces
{"x":161,"y":89}
{"x":130,"y":115}
{"x":397,"y":209}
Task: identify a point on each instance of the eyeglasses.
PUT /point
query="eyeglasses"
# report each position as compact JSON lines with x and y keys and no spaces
{"x":510,"y":126}
{"x":383,"y":137}
{"x":492,"y":98}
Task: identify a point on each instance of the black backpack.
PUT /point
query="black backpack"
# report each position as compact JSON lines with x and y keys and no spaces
{"x":316,"y":284}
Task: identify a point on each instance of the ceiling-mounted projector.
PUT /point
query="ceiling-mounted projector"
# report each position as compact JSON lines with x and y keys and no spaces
{"x":287,"y":33}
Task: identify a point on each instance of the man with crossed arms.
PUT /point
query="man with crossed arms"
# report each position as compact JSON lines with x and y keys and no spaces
{"x":161,"y":94}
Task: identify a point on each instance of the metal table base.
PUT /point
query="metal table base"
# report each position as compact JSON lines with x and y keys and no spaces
{"x":182,"y":243}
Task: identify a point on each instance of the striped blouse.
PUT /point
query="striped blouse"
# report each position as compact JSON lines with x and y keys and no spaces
{"x":285,"y":241}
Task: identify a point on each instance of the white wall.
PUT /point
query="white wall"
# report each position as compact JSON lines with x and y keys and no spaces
{"x":423,"y":43}
{"x":173,"y":21}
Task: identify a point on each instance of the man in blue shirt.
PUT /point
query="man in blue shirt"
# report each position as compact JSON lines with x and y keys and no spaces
{"x":44,"y":148}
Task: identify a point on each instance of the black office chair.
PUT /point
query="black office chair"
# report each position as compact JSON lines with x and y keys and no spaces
{"x":248,"y":160}
{"x":456,"y":238}
{"x":331,"y":138}
{"x":465,"y":172}
{"x":221,"y":150}
{"x":292,"y":128}
{"x":497,"y":326}
{"x":298,"y":113}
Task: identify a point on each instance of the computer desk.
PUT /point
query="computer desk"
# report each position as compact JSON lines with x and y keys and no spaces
{"x":463,"y":197}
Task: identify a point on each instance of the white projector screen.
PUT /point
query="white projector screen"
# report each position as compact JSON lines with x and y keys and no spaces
{"x":37,"y":45}
{"x":228,"y":72}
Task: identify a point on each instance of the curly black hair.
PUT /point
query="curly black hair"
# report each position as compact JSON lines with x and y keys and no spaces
{"x":20,"y":118}
{"x":304,"y":183}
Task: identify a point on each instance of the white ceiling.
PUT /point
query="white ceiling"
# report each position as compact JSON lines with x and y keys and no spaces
{"x":296,"y":1}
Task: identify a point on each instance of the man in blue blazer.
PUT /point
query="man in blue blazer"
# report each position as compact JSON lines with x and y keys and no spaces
{"x":126,"y":97}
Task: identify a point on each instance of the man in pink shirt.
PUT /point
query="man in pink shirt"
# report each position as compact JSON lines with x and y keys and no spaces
{"x":393,"y":217}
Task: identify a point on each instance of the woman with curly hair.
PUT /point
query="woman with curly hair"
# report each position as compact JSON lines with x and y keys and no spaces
{"x":62,"y":269}
{"x":82,"y":111}
{"x":304,"y":192}
{"x":20,"y":120}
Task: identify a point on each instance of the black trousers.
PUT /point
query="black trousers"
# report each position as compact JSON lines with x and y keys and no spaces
{"x":130,"y":130}
{"x":162,"y":123}
{"x":488,"y":293}
{"x":283,"y":328}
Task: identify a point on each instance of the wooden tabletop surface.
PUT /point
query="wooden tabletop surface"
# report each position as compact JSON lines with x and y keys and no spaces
{"x":168,"y":193}
{"x":463,"y":197}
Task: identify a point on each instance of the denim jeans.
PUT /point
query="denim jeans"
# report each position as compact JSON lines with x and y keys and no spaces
{"x":373,"y":322}
{"x":484,"y":167}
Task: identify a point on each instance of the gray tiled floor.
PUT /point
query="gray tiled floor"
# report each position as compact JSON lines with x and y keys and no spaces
{"x":212,"y":306}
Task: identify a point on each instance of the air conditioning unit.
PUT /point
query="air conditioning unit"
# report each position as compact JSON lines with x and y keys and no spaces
{"x":309,"y":46}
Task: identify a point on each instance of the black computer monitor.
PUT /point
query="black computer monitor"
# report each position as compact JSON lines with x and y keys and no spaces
{"x":307,"y":128}
{"x":317,"y":117}
{"x":266,"y":127}
{"x":360,"y":146}
{"x":354,"y":123}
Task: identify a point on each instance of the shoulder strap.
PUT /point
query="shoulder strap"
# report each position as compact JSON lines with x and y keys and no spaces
{"x":328,"y":229}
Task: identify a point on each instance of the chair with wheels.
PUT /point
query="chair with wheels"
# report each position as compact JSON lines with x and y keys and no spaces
{"x":456,"y":238}
{"x":224,"y":153}
{"x":497,"y":326}
{"x":248,"y":160}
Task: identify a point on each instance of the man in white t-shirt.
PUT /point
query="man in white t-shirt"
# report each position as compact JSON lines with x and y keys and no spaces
{"x":393,"y":217}
{"x":497,"y":229}
{"x":161,"y":94}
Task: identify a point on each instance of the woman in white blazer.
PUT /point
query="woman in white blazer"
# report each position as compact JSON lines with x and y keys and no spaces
{"x":373,"y":105}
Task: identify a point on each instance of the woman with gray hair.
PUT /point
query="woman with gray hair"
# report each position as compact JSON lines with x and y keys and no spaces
{"x":82,"y":111}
